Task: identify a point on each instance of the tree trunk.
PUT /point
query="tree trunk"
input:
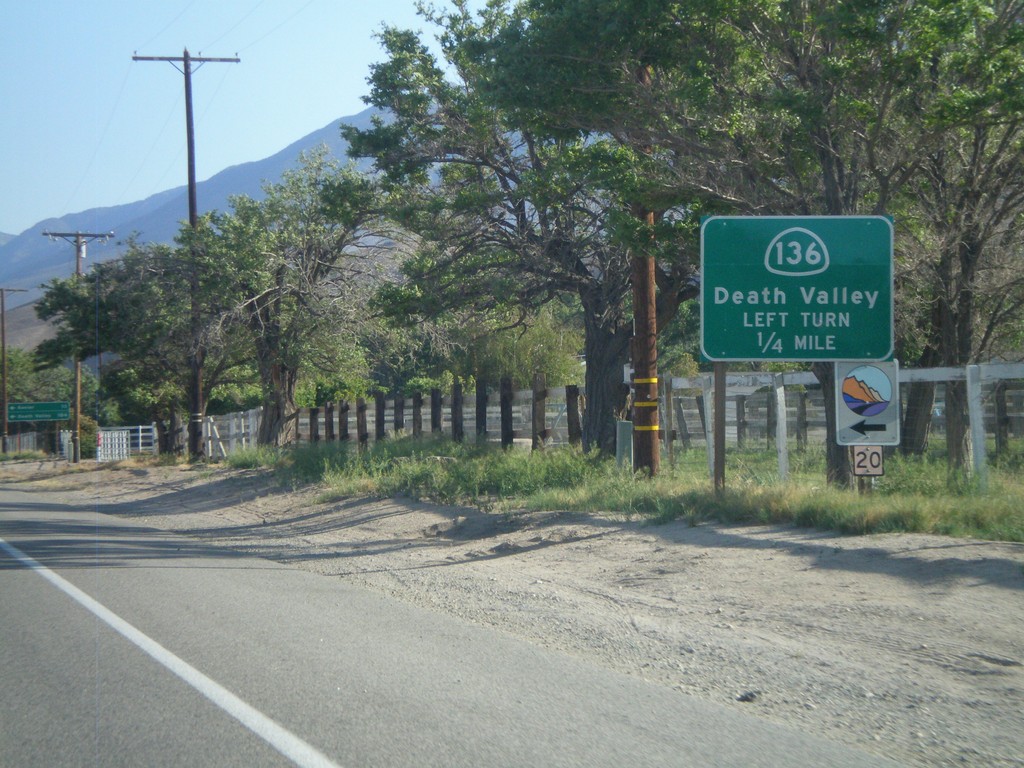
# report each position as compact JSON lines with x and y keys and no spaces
{"x":170,"y":433}
{"x":837,"y":458}
{"x":917,"y":418}
{"x":277,"y":422}
{"x":606,"y":351}
{"x":957,"y":334}
{"x":958,"y":446}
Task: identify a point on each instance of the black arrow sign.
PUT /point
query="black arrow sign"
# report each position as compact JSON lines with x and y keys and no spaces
{"x":863,"y":427}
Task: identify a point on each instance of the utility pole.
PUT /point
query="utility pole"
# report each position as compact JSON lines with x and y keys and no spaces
{"x":646,"y":431}
{"x":80,"y":239}
{"x":3,"y":355}
{"x":645,"y":359}
{"x":197,"y":353}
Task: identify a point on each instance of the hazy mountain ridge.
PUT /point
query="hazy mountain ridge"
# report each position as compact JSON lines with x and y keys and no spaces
{"x":29,"y":260}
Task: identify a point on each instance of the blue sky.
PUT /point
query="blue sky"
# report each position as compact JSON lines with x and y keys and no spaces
{"x":83,"y":126}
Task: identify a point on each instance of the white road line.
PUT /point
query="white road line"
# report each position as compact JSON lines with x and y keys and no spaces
{"x":285,"y":742}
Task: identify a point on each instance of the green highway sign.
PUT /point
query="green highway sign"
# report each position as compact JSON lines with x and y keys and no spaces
{"x":797,"y":288}
{"x":59,"y":411}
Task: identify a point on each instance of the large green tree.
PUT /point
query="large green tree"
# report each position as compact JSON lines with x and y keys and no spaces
{"x":772,"y":106}
{"x":303,"y":262}
{"x":28,"y":381}
{"x":506,"y":216}
{"x":134,"y":313}
{"x":969,"y":198}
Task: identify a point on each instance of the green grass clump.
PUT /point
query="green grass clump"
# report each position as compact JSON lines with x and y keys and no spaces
{"x":255,"y":457}
{"x":915,"y":495}
{"x":24,"y":456}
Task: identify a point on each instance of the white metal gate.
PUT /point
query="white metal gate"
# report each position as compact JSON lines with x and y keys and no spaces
{"x":113,"y":444}
{"x":117,"y":443}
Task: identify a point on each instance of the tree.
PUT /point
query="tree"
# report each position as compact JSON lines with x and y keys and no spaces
{"x":135,"y":310}
{"x":969,"y":195}
{"x":303,"y":262}
{"x":27,"y":381}
{"x":506,"y":217}
{"x":781,"y":107}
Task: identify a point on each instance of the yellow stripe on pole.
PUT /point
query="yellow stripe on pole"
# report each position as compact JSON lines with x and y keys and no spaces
{"x":646,"y":404}
{"x":646,"y":429}
{"x":646,"y":381}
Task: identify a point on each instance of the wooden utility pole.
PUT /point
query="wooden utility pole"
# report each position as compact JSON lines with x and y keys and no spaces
{"x":646,"y":433}
{"x":197,"y":353}
{"x":3,"y":356}
{"x":80,"y":239}
{"x":646,"y":455}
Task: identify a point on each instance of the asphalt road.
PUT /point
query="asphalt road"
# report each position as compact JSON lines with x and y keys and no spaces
{"x":125,"y":646}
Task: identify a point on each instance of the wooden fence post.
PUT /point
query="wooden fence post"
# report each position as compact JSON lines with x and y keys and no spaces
{"x":436,"y":414}
{"x":314,"y":425}
{"x":343,"y":409}
{"x":379,"y":427}
{"x":1002,"y":419}
{"x":481,"y":411}
{"x":399,"y":414}
{"x":417,"y":414}
{"x":669,"y":433}
{"x":572,"y":415}
{"x":681,"y":426}
{"x":507,"y":434}
{"x":801,"y":421}
{"x":329,"y":422}
{"x":457,"y":431}
{"x":362,"y":432}
{"x":540,"y":398}
{"x":741,"y":420}
{"x":771,"y":418}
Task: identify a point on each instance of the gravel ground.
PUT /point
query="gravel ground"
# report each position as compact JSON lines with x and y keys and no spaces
{"x":904,"y":645}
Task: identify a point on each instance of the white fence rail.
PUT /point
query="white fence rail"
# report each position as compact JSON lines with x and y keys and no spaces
{"x":979,"y":400}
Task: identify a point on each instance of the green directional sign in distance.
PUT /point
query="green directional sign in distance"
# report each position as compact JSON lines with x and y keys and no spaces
{"x":57,"y":411}
{"x":799,"y":288}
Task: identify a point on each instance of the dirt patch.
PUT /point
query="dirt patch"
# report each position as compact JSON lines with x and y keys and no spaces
{"x":908,"y":646}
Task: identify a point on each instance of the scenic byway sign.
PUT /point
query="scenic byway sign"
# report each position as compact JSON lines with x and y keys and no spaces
{"x":867,"y":403}
{"x":796,"y":288}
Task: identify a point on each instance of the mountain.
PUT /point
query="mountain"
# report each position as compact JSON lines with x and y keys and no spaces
{"x":29,"y":260}
{"x":6,"y":238}
{"x":857,"y":391}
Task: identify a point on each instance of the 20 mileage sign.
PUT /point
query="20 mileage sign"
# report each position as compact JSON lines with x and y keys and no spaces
{"x":796,"y":288}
